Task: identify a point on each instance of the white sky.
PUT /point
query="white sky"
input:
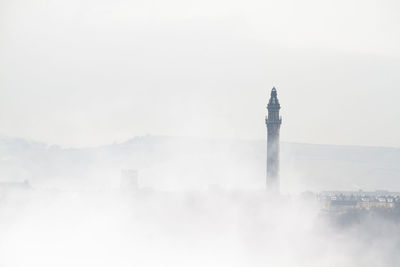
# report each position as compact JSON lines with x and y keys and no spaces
{"x":83,"y":73}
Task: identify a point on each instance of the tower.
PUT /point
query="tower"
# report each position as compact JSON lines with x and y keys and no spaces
{"x":273,"y":122}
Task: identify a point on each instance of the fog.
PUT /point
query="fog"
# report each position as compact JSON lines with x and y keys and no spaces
{"x":198,"y":202}
{"x":111,"y":228}
{"x":89,"y":73}
{"x":177,"y":91}
{"x":183,"y":163}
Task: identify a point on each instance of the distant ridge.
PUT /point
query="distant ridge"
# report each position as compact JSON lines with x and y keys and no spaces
{"x":188,"y":161}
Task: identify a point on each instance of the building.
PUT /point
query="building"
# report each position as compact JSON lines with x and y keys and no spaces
{"x":129,"y":179}
{"x":7,"y":186}
{"x":273,"y":122}
{"x":352,"y":200}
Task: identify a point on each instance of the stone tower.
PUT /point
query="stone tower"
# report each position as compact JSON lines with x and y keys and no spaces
{"x":273,"y":122}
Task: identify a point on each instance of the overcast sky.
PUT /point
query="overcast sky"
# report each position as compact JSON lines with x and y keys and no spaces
{"x":83,"y":73}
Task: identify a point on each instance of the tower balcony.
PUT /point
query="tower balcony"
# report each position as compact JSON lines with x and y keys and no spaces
{"x":273,"y":120}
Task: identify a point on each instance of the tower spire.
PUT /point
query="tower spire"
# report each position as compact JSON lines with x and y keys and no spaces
{"x":273,"y":122}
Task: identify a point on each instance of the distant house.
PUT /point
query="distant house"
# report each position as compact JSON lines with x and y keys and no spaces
{"x":6,"y":186}
{"x":345,"y":200}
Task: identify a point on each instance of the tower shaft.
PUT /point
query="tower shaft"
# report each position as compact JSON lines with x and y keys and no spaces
{"x":273,"y":122}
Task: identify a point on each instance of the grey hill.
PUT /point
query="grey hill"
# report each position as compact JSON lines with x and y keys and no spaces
{"x":165,"y":162}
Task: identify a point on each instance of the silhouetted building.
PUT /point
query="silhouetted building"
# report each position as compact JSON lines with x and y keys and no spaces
{"x":351,"y":200}
{"x":273,"y":122}
{"x":129,"y":180}
{"x":6,"y":186}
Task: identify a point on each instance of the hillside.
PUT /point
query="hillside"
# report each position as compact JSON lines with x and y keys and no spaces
{"x":181,"y":163}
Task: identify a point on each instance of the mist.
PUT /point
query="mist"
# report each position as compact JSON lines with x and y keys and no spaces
{"x":197,"y":202}
{"x":90,"y":73}
{"x":109,"y":228}
{"x":132,"y":133}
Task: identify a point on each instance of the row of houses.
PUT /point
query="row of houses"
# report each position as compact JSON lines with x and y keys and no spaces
{"x":338,"y":200}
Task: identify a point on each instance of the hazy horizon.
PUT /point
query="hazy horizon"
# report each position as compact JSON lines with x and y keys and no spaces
{"x":88,"y":73}
{"x":184,"y":137}
{"x":133,"y":133}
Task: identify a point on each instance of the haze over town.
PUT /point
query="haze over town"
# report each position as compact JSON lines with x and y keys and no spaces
{"x":88,"y":73}
{"x":133,"y":133}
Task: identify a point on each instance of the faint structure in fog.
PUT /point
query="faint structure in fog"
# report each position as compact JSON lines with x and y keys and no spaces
{"x":129,"y":179}
{"x":4,"y":186}
{"x":273,"y":122}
